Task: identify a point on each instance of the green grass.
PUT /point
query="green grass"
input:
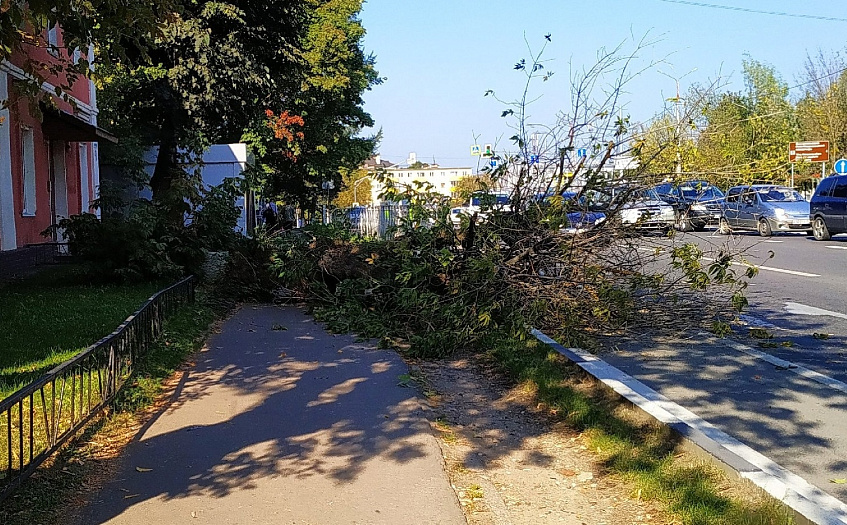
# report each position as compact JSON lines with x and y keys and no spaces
{"x":641,"y":453}
{"x":46,"y":319}
{"x":43,"y":499}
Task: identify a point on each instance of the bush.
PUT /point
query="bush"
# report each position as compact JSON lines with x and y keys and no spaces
{"x":141,"y":240}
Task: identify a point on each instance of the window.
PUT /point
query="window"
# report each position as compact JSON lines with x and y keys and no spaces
{"x":840,"y":190}
{"x":825,"y":187}
{"x":732,"y":195}
{"x":53,"y":39}
{"x":28,"y":171}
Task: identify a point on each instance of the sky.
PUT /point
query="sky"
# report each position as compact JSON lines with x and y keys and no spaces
{"x":439,"y":57}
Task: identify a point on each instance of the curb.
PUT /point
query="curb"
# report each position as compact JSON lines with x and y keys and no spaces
{"x":809,"y":503}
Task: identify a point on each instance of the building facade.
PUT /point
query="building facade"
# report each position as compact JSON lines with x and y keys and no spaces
{"x":440,"y":180}
{"x":48,"y":156}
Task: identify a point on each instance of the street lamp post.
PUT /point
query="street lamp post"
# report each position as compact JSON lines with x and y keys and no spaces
{"x":355,"y":184}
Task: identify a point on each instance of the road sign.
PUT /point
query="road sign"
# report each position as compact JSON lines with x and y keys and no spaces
{"x":476,"y":151}
{"x":841,"y":166}
{"x":488,"y":151}
{"x":811,"y":150}
{"x":581,"y":152}
{"x":492,"y":163}
{"x":533,"y":159}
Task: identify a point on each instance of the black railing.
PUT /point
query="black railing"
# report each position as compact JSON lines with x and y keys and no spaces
{"x":28,"y":259}
{"x":39,"y":418}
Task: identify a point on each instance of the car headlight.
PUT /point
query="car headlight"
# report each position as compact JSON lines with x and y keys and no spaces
{"x":780,"y":213}
{"x":698,"y":207}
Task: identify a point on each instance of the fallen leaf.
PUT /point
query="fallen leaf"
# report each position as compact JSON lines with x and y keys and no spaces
{"x":757,"y":378}
{"x":193,"y":514}
{"x":142,"y":469}
{"x":840,"y":481}
{"x":128,"y":496}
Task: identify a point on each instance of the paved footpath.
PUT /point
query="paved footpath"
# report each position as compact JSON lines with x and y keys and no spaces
{"x":281,"y":423}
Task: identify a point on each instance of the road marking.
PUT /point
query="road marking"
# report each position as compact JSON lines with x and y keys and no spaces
{"x":837,"y":247}
{"x":774,"y":241}
{"x":802,"y":309}
{"x":801,"y":371}
{"x":770,"y":269}
{"x":800,"y":495}
{"x":755,"y":322}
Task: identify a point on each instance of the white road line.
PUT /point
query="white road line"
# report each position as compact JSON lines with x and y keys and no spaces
{"x":837,"y":247}
{"x":801,"y":371}
{"x":807,"y":500}
{"x":768,"y":268}
{"x":802,"y":309}
{"x":775,"y":241}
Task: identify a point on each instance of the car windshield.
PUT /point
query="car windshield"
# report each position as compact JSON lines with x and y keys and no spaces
{"x":780,"y":195}
{"x":701,"y":193}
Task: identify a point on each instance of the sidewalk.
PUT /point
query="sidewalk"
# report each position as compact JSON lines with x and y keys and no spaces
{"x":280,"y":422}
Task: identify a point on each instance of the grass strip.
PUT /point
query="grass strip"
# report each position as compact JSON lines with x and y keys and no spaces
{"x":642,"y":453}
{"x":53,"y":315}
{"x":46,"y":496}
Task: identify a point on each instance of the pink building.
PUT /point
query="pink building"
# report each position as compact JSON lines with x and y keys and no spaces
{"x":48,"y":166}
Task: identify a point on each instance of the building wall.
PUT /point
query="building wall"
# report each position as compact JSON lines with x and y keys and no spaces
{"x":443,"y":180}
{"x":73,"y":190}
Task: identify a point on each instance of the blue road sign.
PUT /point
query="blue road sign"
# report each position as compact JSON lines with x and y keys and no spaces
{"x":492,"y":163}
{"x":841,"y":166}
{"x":533,"y":159}
{"x":581,"y":152}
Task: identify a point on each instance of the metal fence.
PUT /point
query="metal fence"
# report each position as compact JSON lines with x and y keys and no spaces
{"x":370,"y":221}
{"x":28,"y":259}
{"x":39,"y":418}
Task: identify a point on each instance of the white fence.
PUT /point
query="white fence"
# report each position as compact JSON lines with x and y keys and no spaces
{"x":370,"y":221}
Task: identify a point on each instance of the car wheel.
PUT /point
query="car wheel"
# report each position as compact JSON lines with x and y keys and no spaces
{"x":682,"y":223}
{"x":723,"y":227}
{"x":765,"y":228}
{"x":819,"y":230}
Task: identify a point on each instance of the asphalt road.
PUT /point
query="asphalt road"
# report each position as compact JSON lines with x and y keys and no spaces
{"x":785,"y":397}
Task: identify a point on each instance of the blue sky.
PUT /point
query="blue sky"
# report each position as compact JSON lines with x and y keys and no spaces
{"x":439,"y":57}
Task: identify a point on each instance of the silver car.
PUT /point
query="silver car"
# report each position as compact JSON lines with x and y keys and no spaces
{"x":765,"y":208}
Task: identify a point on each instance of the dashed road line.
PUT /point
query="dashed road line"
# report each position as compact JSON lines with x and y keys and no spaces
{"x":837,"y":247}
{"x":802,"y":309}
{"x":790,"y":366}
{"x":806,"y":499}
{"x":771,"y":269}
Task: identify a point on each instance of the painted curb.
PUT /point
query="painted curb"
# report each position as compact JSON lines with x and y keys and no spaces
{"x":808,"y":502}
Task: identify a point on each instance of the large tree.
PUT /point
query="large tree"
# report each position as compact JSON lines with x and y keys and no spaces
{"x":329,"y":100}
{"x":213,"y":72}
{"x":123,"y":25}
{"x":747,"y":135}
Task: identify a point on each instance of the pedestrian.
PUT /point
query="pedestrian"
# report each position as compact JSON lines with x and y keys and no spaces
{"x":269,"y":216}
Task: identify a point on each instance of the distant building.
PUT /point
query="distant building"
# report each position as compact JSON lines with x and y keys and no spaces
{"x":443,"y":180}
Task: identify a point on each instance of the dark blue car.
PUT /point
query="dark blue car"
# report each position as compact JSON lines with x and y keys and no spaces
{"x":828,"y":208}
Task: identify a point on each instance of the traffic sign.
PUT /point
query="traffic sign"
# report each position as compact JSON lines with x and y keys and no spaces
{"x":492,"y":163}
{"x":581,"y":152}
{"x":488,"y":151}
{"x":476,"y":151}
{"x":533,"y":159}
{"x":811,"y":150}
{"x":841,"y":166}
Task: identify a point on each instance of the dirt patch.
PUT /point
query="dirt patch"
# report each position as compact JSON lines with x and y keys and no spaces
{"x":510,"y":463}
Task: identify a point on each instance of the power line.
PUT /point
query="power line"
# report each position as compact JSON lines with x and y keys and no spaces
{"x":755,"y":11}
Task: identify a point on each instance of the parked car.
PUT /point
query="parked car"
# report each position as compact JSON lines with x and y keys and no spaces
{"x":579,"y":220}
{"x":638,"y":207}
{"x":828,"y":208}
{"x":765,"y":208}
{"x":696,"y":203}
{"x":481,"y":204}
